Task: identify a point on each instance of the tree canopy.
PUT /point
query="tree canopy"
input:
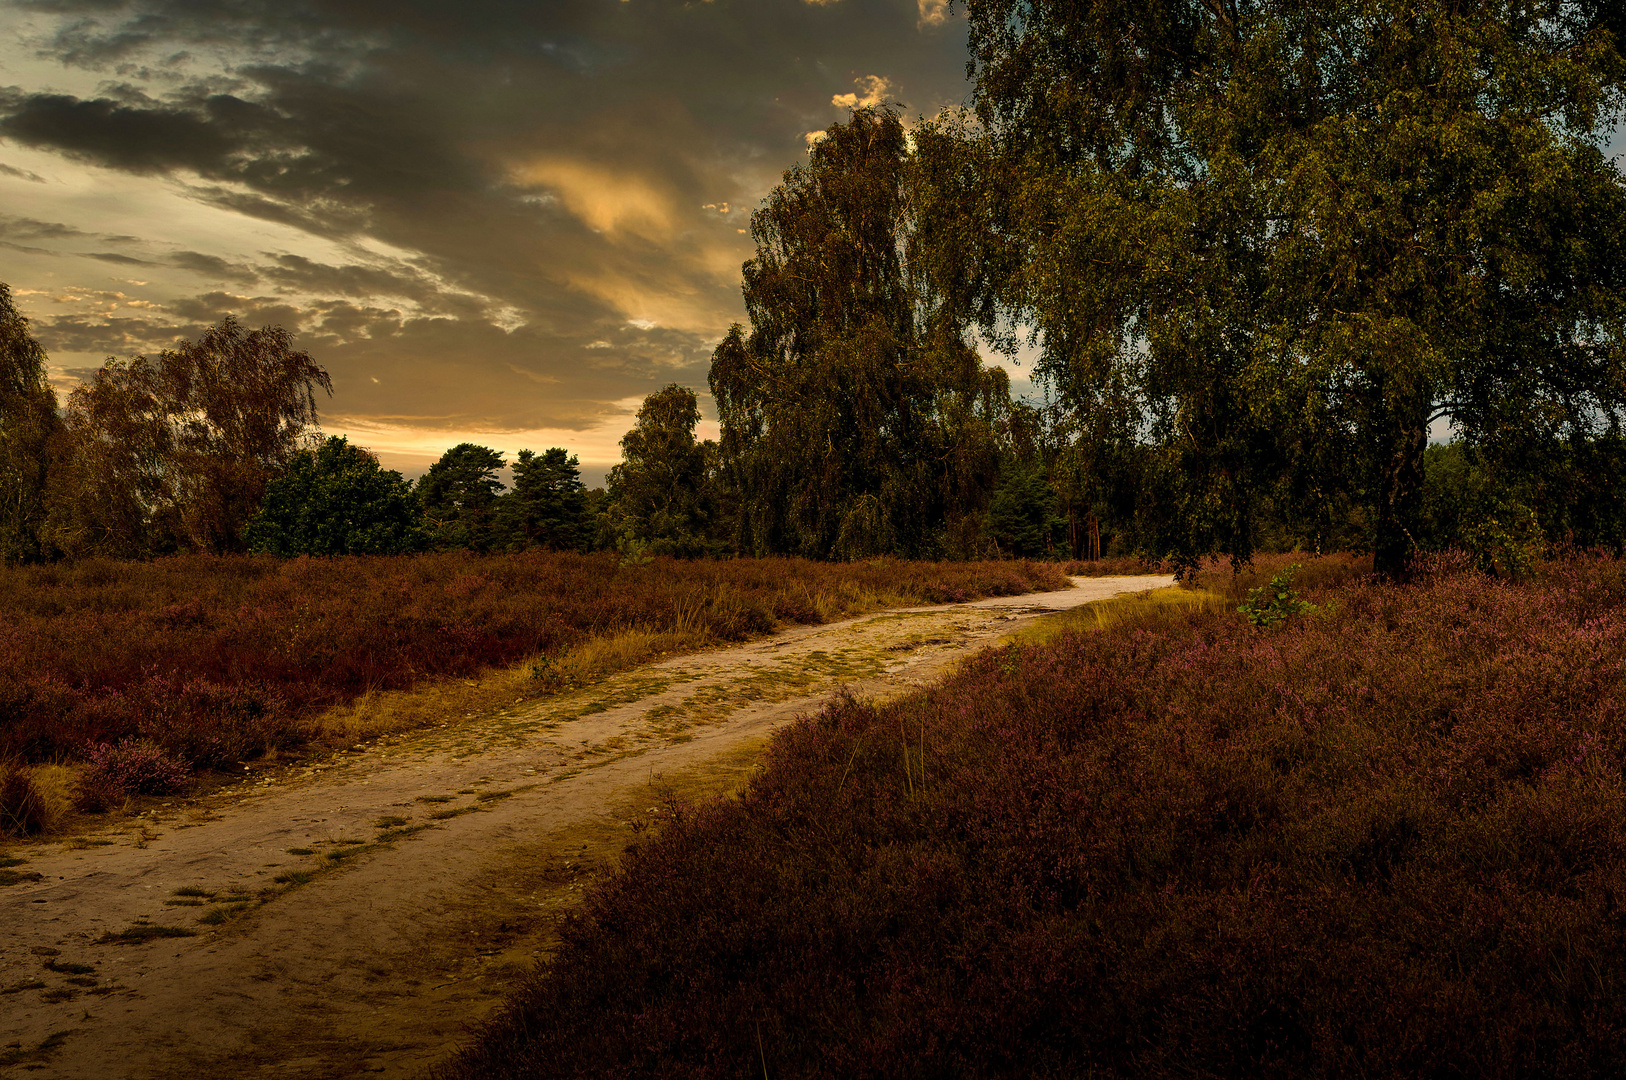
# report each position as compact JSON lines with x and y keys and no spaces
{"x":1283,"y":238}
{"x":547,"y":506}
{"x":658,"y":496}
{"x":336,"y":500}
{"x":856,"y":418}
{"x":176,"y":452}
{"x":459,"y":498}
{"x":27,"y":422}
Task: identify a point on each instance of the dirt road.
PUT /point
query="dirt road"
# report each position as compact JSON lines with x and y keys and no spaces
{"x":354,"y":915}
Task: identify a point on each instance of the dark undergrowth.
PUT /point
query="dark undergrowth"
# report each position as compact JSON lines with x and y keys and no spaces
{"x":211,"y":660}
{"x":1385,"y":839}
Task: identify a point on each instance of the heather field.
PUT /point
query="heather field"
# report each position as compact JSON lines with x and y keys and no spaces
{"x":1383,"y":838}
{"x":200,"y":661}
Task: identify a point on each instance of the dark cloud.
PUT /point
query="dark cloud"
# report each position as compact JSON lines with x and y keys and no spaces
{"x":22,"y":228}
{"x":16,"y":232}
{"x":99,"y":335}
{"x":115,"y":257}
{"x":125,"y":137}
{"x":21,"y":174}
{"x":298,"y":273}
{"x":214,"y":266}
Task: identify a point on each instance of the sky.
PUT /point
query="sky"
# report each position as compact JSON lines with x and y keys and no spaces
{"x":496,"y":221}
{"x":490,"y":221}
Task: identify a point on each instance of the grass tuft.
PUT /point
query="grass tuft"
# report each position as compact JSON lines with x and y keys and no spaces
{"x":68,"y":968}
{"x":143,"y":932}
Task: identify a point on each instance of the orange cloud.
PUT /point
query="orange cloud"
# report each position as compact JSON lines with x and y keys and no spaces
{"x":872,"y":91}
{"x":602,"y":199}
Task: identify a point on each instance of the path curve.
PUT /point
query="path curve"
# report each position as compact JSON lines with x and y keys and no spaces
{"x":419,"y":874}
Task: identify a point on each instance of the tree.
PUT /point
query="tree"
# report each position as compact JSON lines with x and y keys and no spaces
{"x":657,"y":496}
{"x":547,"y":506}
{"x":176,"y":453}
{"x":1021,"y":514}
{"x":336,"y":500}
{"x":1293,"y":235}
{"x":459,"y":498}
{"x":854,"y":415}
{"x":28,"y":421}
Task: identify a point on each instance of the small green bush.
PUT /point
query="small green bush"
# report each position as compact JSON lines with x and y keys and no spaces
{"x":1276,"y":602}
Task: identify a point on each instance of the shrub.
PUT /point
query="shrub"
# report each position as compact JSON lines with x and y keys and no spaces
{"x":209,"y":724}
{"x":1270,"y":604}
{"x":115,"y":771}
{"x":219,"y":658}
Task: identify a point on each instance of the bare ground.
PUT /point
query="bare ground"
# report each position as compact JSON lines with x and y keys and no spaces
{"x":357,"y":915}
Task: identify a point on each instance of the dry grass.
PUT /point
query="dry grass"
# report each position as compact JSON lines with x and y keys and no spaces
{"x":35,"y":799}
{"x":393,"y":712}
{"x":1152,"y":608}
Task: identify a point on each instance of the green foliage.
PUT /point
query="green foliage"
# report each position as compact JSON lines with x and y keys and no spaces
{"x":1021,"y":517}
{"x":856,"y":420}
{"x":458,"y":496}
{"x":658,"y":502}
{"x":1466,"y":505}
{"x":1506,"y":541}
{"x":336,"y":500}
{"x":547,"y":506}
{"x":27,"y":422}
{"x":1282,"y":241}
{"x":1276,"y":602}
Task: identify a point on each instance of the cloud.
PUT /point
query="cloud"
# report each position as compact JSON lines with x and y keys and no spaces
{"x":115,"y":257}
{"x":213,"y":266}
{"x":21,"y":174}
{"x":122,"y":136}
{"x":933,"y":12}
{"x":605,"y":200}
{"x":871,"y":91}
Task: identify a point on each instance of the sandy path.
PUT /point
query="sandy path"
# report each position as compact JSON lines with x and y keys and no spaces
{"x":405,"y":933}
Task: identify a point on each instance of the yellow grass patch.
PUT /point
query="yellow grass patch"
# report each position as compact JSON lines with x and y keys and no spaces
{"x":1143,"y":608}
{"x":34,"y":798}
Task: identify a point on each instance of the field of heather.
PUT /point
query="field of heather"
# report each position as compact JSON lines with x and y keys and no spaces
{"x":206,"y":661}
{"x":1383,"y":838}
